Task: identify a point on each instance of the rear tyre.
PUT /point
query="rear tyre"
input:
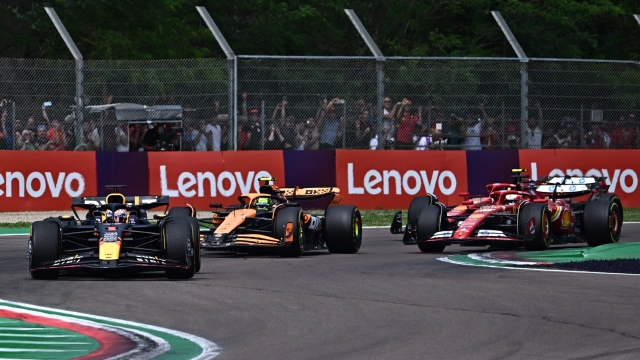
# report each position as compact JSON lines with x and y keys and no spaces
{"x":535,"y":225}
{"x":284,"y":217}
{"x":343,"y":229}
{"x":45,"y":247}
{"x":602,"y":222}
{"x":428,"y":223}
{"x":179,"y":211}
{"x":178,"y":238}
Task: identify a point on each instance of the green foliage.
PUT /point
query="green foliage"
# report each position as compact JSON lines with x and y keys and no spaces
{"x":142,"y":29}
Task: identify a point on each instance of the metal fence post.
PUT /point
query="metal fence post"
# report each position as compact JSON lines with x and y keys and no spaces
{"x":233,"y":74}
{"x":524,"y":76}
{"x":262,"y":126}
{"x":79,"y":96}
{"x":380,"y":83}
{"x":379,"y":70}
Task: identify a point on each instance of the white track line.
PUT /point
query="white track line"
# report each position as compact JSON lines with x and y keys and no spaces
{"x":446,"y":259}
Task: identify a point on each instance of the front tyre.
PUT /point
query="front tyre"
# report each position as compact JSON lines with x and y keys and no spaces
{"x":428,"y":223}
{"x":179,"y":246}
{"x":602,"y":222}
{"x":535,"y":225}
{"x":45,"y":247}
{"x":288,"y":226}
{"x":343,"y":229}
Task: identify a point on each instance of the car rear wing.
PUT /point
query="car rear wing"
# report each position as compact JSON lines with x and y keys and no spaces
{"x":567,"y":187}
{"x":142,"y":202}
{"x":331,"y":194}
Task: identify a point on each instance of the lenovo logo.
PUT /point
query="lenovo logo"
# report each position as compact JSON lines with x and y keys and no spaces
{"x":36,"y":184}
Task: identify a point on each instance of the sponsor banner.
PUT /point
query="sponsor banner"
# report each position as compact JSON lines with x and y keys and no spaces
{"x":314,"y":168}
{"x":620,"y":167}
{"x":123,"y":168}
{"x":489,"y":166}
{"x":45,"y":180}
{"x":391,"y":179}
{"x":200,"y":178}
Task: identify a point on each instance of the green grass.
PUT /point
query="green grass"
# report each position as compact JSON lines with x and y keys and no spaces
{"x":369,"y":218}
{"x":21,"y":224}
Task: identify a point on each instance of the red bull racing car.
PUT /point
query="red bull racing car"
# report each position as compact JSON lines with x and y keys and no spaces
{"x":115,"y":236}
{"x":523,"y":213}
{"x":274,"y":218}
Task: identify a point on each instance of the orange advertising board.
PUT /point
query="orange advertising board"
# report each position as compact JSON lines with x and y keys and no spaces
{"x":45,"y":180}
{"x":200,"y":178}
{"x":620,"y":167}
{"x":391,"y":179}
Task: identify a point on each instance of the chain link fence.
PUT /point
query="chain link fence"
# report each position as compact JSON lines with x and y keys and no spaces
{"x":268,"y":102}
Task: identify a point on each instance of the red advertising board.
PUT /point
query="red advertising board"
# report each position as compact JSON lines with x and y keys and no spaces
{"x":391,"y":179}
{"x":620,"y":167}
{"x":200,"y":178}
{"x":45,"y":180}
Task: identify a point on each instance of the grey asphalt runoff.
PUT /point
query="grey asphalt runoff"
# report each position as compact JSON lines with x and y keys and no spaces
{"x":389,"y":301}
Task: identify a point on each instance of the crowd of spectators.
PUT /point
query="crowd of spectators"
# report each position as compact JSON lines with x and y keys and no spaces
{"x":333,"y":125}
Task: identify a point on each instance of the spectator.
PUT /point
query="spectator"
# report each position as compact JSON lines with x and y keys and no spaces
{"x":473,"y":130}
{"x":31,"y":124}
{"x":301,"y":136}
{"x":213,"y":132}
{"x":598,"y":138}
{"x":289,"y":133}
{"x":152,"y":137}
{"x":4,"y":130}
{"x":622,"y":134}
{"x":312,"y":141}
{"x":90,"y":138}
{"x":437,"y":141}
{"x":57,"y":136}
{"x":122,"y":139}
{"x":69,"y":129}
{"x":361,"y":131}
{"x":424,"y":140}
{"x":513,"y":138}
{"x":451,"y":130}
{"x":136,"y":134}
{"x":41,"y":142}
{"x":27,"y":140}
{"x":194,"y":139}
{"x":635,"y":125}
{"x":254,"y":129}
{"x":275,"y":139}
{"x":563,"y":136}
{"x":330,"y":126}
{"x":407,"y":124}
{"x":534,"y":130}
{"x":17,"y":136}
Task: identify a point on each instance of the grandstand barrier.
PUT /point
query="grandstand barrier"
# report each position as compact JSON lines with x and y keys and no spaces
{"x":46,"y":180}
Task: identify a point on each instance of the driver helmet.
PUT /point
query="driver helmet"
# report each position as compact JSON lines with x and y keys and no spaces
{"x":120,"y":216}
{"x":263,"y":203}
{"x":109,"y":216}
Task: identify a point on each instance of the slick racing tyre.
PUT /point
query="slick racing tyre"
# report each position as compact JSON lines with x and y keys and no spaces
{"x":195,"y":233}
{"x":428,"y":223}
{"x":288,"y":225}
{"x":178,"y":239}
{"x":343,"y":229}
{"x":602,"y":222}
{"x":181,"y":211}
{"x":608,"y":197}
{"x":45,"y":247}
{"x":535,"y":225}
{"x":418,"y":203}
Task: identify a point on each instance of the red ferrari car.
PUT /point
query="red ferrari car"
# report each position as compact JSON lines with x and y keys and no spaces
{"x":523,"y":213}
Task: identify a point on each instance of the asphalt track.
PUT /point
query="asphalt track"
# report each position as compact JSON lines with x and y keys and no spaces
{"x":389,"y":301}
